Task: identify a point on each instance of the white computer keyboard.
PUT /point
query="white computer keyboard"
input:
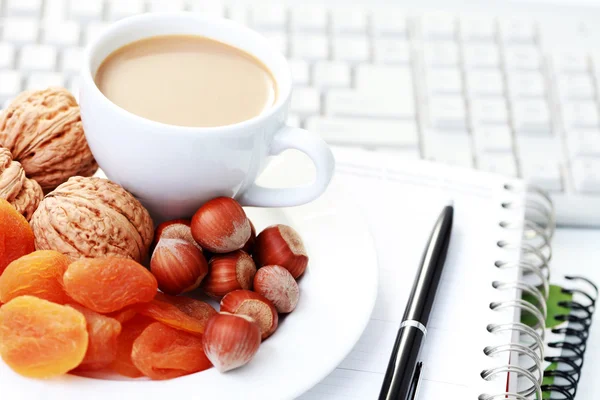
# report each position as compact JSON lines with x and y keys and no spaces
{"x":494,"y":92}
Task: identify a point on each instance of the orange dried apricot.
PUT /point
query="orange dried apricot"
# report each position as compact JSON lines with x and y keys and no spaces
{"x":16,"y":236}
{"x":130,"y":331}
{"x":123,"y":315}
{"x":102,"y":345}
{"x":37,"y":274}
{"x":162,"y":352}
{"x":105,"y":285}
{"x":182,"y":313}
{"x":40,"y":339}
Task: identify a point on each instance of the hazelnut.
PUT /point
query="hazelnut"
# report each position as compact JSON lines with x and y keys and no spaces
{"x":221,"y":225}
{"x":230,"y":341}
{"x":177,"y":262}
{"x":43,"y":131}
{"x":281,"y":245}
{"x":254,"y":305}
{"x":23,"y":193}
{"x":229,"y":272}
{"x":278,"y":285}
{"x":93,"y":217}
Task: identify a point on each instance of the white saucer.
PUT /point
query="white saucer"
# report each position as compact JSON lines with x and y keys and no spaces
{"x":338,"y":292}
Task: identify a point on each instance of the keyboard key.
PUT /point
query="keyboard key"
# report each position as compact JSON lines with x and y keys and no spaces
{"x":88,"y":10}
{"x":488,"y":111}
{"x":584,"y":143}
{"x":309,"y":47}
{"x":581,"y":114}
{"x":309,"y":19}
{"x":349,"y":21}
{"x":576,"y":87}
{"x":441,"y":54}
{"x":522,"y":57}
{"x":481,"y":56}
{"x":10,"y":84}
{"x":43,"y":80}
{"x":389,"y":23}
{"x":272,"y":17}
{"x":477,"y":28}
{"x":213,"y":8}
{"x":384,"y":78}
{"x":517,"y":30}
{"x":37,"y":58}
{"x":73,"y":86}
{"x":20,"y":30}
{"x":343,"y":102}
{"x":447,"y":112}
{"x":391,"y":51}
{"x":305,"y":101}
{"x":166,"y":6}
{"x":7,"y":56}
{"x":438,"y":26}
{"x":531,"y":117}
{"x":55,"y":10}
{"x":71,"y":59}
{"x":535,"y":148}
{"x":300,"y":72}
{"x":65,"y":33}
{"x":573,"y":61}
{"x":331,"y":74}
{"x":279,"y":40}
{"x":545,"y":174}
{"x":586,"y":175}
{"x":238,"y":13}
{"x":493,"y":139}
{"x":452,"y":149}
{"x":365,"y":132}
{"x":504,"y":164}
{"x":23,"y":8}
{"x":485,"y":83}
{"x":350,"y":49}
{"x":293,"y":120}
{"x":118,"y":9}
{"x":94,"y":29}
{"x":526,"y":85}
{"x":444,"y":81}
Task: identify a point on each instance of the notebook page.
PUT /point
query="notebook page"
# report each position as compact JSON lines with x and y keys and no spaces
{"x":401,"y":203}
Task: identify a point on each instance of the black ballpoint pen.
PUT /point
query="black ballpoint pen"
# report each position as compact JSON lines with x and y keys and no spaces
{"x":404,"y":370}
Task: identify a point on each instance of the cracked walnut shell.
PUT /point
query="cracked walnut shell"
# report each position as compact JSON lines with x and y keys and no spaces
{"x":93,"y":217}
{"x":43,"y":131}
{"x":23,"y":193}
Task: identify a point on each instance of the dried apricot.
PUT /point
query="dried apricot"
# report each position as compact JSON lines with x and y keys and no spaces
{"x":123,"y":315}
{"x":183,"y":313}
{"x":130,"y":331}
{"x":105,"y":285}
{"x":40,"y":339}
{"x":37,"y":274}
{"x":102,"y":345}
{"x":16,"y":236}
{"x":162,"y":352}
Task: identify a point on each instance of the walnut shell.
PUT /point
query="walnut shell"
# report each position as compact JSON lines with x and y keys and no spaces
{"x":93,"y":217}
{"x":23,"y":193}
{"x":43,"y":131}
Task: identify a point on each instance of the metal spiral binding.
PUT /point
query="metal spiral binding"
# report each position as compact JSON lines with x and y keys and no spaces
{"x":573,"y":346}
{"x":536,"y":252}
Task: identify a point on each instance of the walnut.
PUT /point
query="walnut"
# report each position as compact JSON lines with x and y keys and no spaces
{"x":23,"y":193}
{"x":43,"y":131}
{"x":93,"y":217}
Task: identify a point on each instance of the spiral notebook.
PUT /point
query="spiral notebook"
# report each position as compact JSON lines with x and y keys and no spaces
{"x":499,"y":329}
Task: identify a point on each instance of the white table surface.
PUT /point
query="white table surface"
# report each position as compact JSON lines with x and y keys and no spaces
{"x":577,"y":251}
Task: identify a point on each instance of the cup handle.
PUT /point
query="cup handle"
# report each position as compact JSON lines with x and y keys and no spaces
{"x":313,"y":146}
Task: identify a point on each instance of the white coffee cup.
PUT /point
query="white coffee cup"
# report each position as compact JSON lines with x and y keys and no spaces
{"x":171,"y":169}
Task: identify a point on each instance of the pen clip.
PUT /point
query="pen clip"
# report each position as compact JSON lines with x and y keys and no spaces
{"x":416,"y":381}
